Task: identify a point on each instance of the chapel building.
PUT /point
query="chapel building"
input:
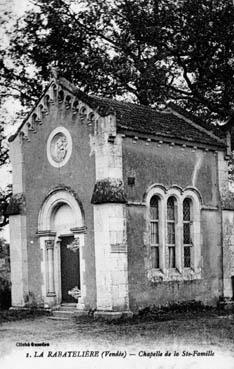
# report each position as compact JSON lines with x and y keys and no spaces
{"x":118,"y":206}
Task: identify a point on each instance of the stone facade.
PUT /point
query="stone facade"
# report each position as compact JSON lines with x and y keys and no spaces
{"x":85,"y":173}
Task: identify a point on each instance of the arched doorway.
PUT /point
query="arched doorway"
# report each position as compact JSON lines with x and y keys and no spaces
{"x":61,"y":231}
{"x":62,"y":222}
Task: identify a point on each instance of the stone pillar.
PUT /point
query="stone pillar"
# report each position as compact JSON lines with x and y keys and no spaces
{"x":228,"y":252}
{"x":18,"y":228}
{"x":226,"y":189}
{"x":109,"y":206}
{"x":111,"y":247}
{"x":19,"y":260}
{"x":49,"y":244}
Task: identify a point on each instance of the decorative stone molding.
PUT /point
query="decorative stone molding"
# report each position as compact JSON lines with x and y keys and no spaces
{"x":69,"y":190}
{"x":17,"y":205}
{"x":49,"y":244}
{"x":179,"y":272}
{"x":78,"y":230}
{"x":59,"y":147}
{"x":60,"y":91}
{"x":109,"y":190}
{"x":45,"y":233}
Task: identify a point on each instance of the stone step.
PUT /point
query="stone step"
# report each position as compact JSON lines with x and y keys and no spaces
{"x":63,"y":313}
{"x":67,"y":307}
{"x":66,"y":312}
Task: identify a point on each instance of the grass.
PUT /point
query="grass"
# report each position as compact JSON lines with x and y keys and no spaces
{"x":167,"y":328}
{"x":13,"y":315}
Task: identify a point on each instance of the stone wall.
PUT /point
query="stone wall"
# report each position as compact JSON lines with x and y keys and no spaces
{"x":40,"y":177}
{"x":228,"y":252}
{"x":163,"y":164}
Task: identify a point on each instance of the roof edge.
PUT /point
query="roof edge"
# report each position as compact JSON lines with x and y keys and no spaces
{"x":167,"y":140}
{"x":13,"y":137}
{"x":197,"y":126}
{"x":71,"y":88}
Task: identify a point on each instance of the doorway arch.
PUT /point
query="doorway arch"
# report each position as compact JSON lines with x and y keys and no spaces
{"x":60,"y":227}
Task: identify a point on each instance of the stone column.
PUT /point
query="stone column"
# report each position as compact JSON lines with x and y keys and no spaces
{"x":111,"y":248}
{"x":49,"y":244}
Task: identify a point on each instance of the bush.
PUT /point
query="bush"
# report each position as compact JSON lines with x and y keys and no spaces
{"x":5,"y":294}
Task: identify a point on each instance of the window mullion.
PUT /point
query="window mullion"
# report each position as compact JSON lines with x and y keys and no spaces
{"x":179,"y":237}
{"x":162,"y":234}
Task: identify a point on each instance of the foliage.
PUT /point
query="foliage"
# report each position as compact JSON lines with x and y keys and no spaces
{"x":5,"y":93}
{"x":5,"y":196}
{"x":5,"y":294}
{"x":5,"y":286}
{"x":148,"y":51}
{"x":153,"y":51}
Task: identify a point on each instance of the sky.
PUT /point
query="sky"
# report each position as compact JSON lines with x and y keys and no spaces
{"x":18,"y":6}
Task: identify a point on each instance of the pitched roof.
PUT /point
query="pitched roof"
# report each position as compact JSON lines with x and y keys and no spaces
{"x":146,"y":120}
{"x":169,"y":124}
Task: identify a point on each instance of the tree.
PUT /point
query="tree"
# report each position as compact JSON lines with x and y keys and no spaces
{"x":4,"y":194}
{"x":5,"y":93}
{"x":5,"y":288}
{"x":151,"y":50}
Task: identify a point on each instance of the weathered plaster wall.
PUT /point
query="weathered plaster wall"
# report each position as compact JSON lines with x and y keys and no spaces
{"x":18,"y":234}
{"x":40,"y":177}
{"x":171,"y":165}
{"x":227,"y":204}
{"x":228,"y":251}
{"x":168,"y":165}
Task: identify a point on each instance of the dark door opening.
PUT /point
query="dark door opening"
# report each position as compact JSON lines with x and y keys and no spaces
{"x":70,"y":269}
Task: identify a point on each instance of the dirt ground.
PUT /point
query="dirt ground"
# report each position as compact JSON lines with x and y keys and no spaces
{"x":199,"y":342}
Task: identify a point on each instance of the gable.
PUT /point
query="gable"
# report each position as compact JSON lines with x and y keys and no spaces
{"x":169,"y":124}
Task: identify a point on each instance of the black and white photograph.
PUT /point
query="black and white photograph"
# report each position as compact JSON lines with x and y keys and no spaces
{"x":117,"y":184}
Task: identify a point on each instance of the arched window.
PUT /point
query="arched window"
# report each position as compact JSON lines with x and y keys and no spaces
{"x":171,"y":243}
{"x":187,"y":241}
{"x":154,"y":231}
{"x":174,"y":233}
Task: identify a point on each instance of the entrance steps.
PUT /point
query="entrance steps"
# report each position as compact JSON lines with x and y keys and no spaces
{"x":64,"y":312}
{"x":67,"y":311}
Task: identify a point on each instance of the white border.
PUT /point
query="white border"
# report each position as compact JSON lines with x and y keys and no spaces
{"x":69,"y":149}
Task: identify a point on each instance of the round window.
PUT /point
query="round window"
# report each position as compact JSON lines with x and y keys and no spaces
{"x":59,"y":147}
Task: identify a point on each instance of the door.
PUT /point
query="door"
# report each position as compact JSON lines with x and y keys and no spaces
{"x":70,"y":269}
